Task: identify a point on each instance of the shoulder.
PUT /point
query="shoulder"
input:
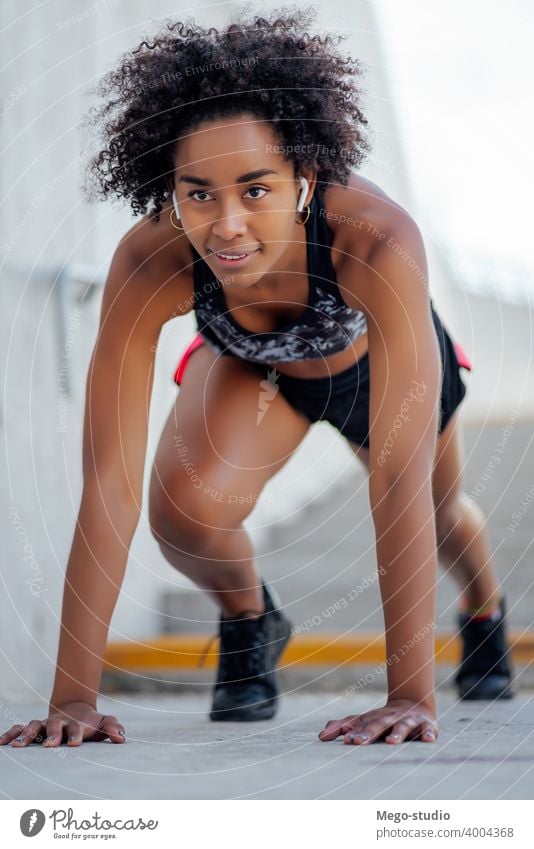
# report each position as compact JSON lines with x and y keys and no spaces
{"x":155,"y":262}
{"x":372,"y":234}
{"x":361,"y":214}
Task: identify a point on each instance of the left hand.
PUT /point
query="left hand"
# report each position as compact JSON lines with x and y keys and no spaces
{"x":400,"y":719}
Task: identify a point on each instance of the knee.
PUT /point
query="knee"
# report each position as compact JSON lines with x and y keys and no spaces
{"x":191,"y":514}
{"x":448,"y":519}
{"x":457,"y":515}
{"x":179,"y":526}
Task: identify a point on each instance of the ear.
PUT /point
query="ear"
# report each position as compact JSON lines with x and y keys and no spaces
{"x":311,"y":176}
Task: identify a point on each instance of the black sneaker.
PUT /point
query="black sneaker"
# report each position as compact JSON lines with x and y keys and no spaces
{"x":485,"y":671}
{"x":246,"y":688}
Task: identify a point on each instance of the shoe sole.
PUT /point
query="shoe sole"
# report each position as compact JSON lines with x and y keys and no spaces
{"x":265,"y":710}
{"x":475,"y":695}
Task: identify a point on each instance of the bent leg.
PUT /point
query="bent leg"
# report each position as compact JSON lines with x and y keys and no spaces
{"x":226,"y":436}
{"x":463,"y":546}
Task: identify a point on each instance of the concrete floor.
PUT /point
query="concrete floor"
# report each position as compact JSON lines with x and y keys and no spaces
{"x":484,"y":751}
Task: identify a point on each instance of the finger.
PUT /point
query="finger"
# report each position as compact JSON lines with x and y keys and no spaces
{"x":10,"y":734}
{"x":54,"y":733}
{"x":361,"y":734}
{"x":74,"y":734}
{"x":331,"y":730}
{"x":333,"y":727}
{"x":428,"y":732}
{"x":77,"y":732}
{"x":401,"y":730}
{"x":28,"y":734}
{"x":112,"y":728}
{"x":368,"y":732}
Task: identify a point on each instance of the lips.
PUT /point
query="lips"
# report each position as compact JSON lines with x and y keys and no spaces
{"x":233,"y":259}
{"x":228,"y":253}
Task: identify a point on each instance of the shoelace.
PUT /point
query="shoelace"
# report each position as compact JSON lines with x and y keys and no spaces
{"x":243,"y":663}
{"x":206,"y":650}
{"x":215,"y":637}
{"x":483,"y":647}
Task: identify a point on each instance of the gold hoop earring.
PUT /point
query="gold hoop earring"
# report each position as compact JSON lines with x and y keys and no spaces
{"x":176,"y":227}
{"x":308,"y":213}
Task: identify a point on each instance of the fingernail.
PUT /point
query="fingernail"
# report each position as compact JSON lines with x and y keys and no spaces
{"x":394,"y":736}
{"x":20,"y":739}
{"x":71,"y":739}
{"x":122,"y":734}
{"x":49,"y":739}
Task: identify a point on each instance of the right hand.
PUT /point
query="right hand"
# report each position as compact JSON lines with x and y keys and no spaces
{"x":71,"y":722}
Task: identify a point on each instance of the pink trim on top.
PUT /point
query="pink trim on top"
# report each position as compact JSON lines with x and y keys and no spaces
{"x":461,"y":356}
{"x":197,"y":341}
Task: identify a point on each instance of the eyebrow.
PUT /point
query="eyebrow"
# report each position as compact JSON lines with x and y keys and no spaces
{"x":244,"y":178}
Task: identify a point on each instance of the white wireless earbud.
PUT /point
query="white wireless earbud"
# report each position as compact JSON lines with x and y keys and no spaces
{"x":175,"y":204}
{"x":302,"y":197}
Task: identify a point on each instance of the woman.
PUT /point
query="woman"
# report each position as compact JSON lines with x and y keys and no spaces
{"x":309,"y":286}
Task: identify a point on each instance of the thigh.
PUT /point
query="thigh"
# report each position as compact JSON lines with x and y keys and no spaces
{"x":448,"y":464}
{"x":229,"y":431}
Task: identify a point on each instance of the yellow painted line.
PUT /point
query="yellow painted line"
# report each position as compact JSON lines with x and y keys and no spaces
{"x":324,"y":649}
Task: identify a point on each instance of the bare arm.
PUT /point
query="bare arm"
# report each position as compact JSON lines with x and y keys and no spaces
{"x":118,"y":390}
{"x":138,"y":299}
{"x":404,"y":401}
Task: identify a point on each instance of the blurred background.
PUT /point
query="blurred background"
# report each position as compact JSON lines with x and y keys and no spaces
{"x":448,"y":87}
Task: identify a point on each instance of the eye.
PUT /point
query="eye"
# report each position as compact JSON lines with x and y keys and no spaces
{"x":197,"y":192}
{"x":257,"y":189}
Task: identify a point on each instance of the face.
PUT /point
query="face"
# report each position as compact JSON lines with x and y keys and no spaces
{"x":238,"y":198}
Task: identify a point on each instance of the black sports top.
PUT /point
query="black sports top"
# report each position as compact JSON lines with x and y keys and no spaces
{"x":326,"y":326}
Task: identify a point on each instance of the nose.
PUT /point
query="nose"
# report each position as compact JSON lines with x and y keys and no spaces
{"x":232,"y":222}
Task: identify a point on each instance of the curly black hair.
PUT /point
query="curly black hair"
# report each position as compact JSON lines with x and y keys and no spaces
{"x":268,"y":66}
